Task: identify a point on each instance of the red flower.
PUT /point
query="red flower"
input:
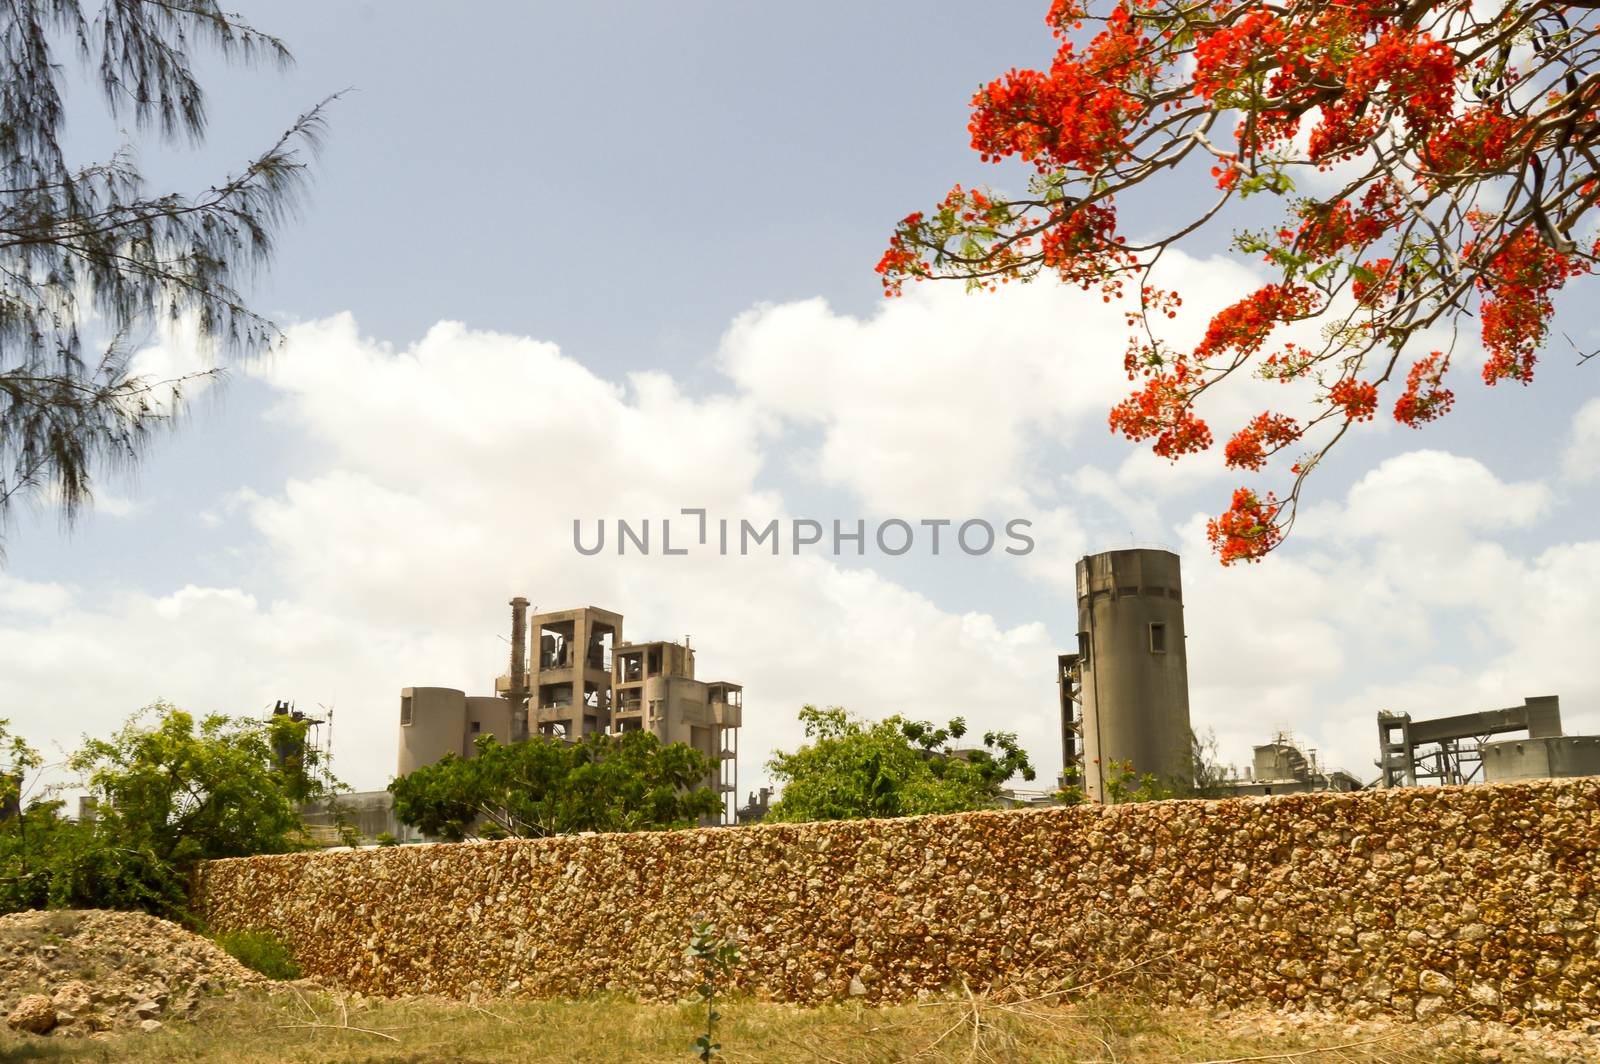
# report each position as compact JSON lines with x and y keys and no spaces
{"x":1248,"y":530}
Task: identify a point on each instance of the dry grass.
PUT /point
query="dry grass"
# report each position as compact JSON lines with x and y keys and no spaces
{"x":310,"y":1028}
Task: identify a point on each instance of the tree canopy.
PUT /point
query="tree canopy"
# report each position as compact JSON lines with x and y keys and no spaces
{"x":92,"y":258}
{"x":853,"y":768}
{"x":1459,"y":138}
{"x":169,"y":792}
{"x":540,"y":787}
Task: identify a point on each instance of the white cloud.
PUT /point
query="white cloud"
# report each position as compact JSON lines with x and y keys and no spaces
{"x":1581,"y":460}
{"x":942,"y":400}
{"x":1059,"y":541}
{"x":29,"y":597}
{"x":1436,"y":496}
{"x":1401,"y":600}
{"x":446,"y":478}
{"x":103,"y":502}
{"x":177,"y":365}
{"x":443,"y":477}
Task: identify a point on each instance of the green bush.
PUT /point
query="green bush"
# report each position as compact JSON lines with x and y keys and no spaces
{"x":262,"y":951}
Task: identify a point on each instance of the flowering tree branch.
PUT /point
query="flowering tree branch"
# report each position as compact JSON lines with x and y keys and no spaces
{"x":1467,"y":136}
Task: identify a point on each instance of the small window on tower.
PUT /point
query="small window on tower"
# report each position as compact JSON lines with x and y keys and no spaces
{"x":405,"y":710}
{"x":1158,"y":638}
{"x":475,"y":726}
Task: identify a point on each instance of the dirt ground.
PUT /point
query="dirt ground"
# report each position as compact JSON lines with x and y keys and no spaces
{"x":294,"y":1023}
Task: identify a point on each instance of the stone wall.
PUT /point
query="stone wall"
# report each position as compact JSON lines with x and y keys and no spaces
{"x":1480,"y":899}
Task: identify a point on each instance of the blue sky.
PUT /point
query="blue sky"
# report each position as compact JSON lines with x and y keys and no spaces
{"x":566,"y":261}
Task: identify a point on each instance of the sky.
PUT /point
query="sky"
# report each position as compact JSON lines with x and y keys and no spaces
{"x":580,"y":262}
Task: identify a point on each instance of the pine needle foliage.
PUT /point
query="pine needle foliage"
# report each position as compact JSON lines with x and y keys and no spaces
{"x":92,"y":259}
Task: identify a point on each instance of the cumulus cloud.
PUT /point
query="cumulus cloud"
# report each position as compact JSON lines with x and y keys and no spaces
{"x":1581,"y":460}
{"x":1437,"y":496}
{"x":27,"y":597}
{"x":440,"y":478}
{"x":945,"y":399}
{"x":1412,"y":596}
{"x":444,"y":477}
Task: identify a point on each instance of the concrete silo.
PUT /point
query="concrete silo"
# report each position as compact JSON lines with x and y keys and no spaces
{"x":433,"y":722}
{"x":1133,"y":667}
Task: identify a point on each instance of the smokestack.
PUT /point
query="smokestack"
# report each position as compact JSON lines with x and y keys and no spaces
{"x":519,"y":644}
{"x":517,"y":692}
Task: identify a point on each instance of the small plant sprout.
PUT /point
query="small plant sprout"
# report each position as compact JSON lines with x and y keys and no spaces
{"x":714,"y":957}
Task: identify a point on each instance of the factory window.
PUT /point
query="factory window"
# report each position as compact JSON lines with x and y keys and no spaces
{"x":1083,"y":650}
{"x":405,"y":710}
{"x":475,"y":726}
{"x":1158,"y":637}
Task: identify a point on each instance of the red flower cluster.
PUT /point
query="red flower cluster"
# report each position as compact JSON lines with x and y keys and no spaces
{"x":1425,"y":397}
{"x":1229,"y":60}
{"x":1414,"y":71}
{"x":899,"y":261}
{"x":1517,"y":285}
{"x":1326,"y":232}
{"x":1077,"y":115}
{"x":1480,"y":140}
{"x":1358,"y":399}
{"x":1346,"y":60}
{"x":1243,"y":327}
{"x":1161,"y":411}
{"x":1384,"y":282}
{"x":1266,"y":434}
{"x":1248,"y":530}
{"x":1084,"y":249}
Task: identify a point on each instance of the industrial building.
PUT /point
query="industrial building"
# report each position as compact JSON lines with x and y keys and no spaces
{"x":584,"y":680}
{"x":1283,"y":766}
{"x":1125,"y":693}
{"x":435,"y":721}
{"x":1124,"y":700}
{"x":1465,"y":748}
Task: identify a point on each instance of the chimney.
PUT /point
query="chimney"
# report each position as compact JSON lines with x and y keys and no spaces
{"x":519,"y":644}
{"x":517,"y":692}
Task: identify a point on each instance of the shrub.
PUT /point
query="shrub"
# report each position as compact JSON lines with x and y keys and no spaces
{"x":261,"y":950}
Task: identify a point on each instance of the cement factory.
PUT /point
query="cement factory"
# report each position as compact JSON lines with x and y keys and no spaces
{"x":585,"y":680}
{"x":1124,"y":699}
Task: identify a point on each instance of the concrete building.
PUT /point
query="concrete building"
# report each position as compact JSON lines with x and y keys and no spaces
{"x":1451,"y":750}
{"x":1284,"y":767}
{"x":435,"y":721}
{"x":755,"y":810}
{"x":583,"y":680}
{"x":1548,"y":757}
{"x":656,"y":691}
{"x":570,"y":689}
{"x":369,"y":814}
{"x":1125,"y":693}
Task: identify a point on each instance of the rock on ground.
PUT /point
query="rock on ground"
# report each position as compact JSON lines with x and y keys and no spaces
{"x":72,"y":973}
{"x":33,"y":1014}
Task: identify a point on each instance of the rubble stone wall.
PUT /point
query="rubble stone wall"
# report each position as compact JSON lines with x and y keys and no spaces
{"x":1479,"y":899}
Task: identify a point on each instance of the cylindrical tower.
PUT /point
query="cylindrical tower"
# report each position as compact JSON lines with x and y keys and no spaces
{"x":1135,"y":672}
{"x":433,"y":722}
